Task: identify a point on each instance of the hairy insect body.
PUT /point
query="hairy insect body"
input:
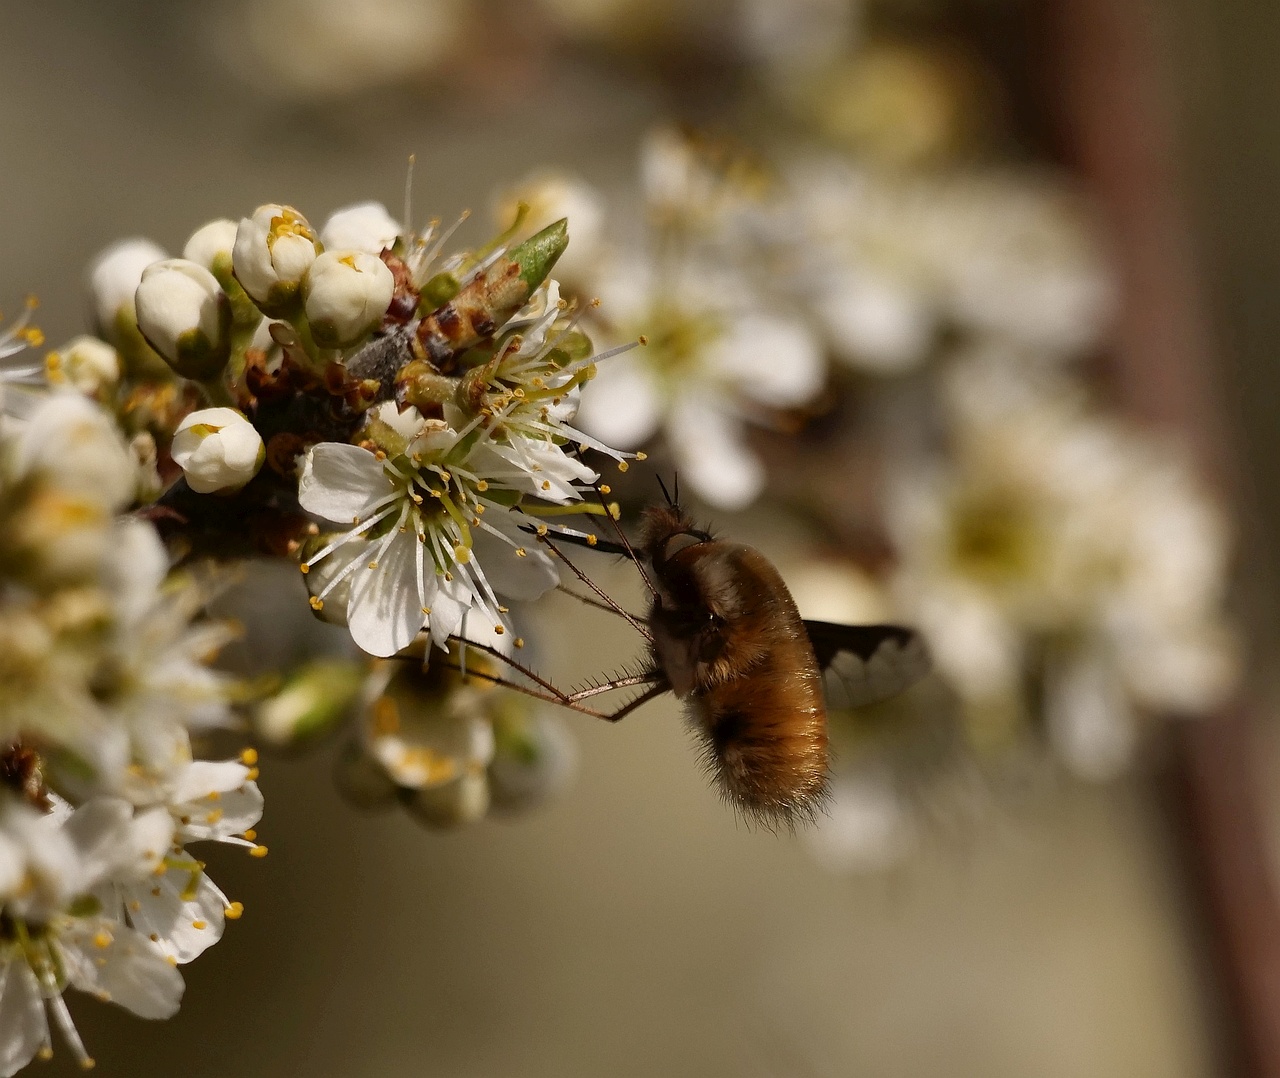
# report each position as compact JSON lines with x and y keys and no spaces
{"x":731,"y":643}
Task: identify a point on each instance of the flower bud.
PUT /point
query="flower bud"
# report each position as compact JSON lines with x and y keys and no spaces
{"x":211,"y":243}
{"x":217,"y":449}
{"x":273,"y":250}
{"x":71,"y":444}
{"x":346,"y":293}
{"x":185,"y":316}
{"x":366,"y":226}
{"x":549,"y":197}
{"x":113,"y":279}
{"x":85,"y":363}
{"x":312,"y":701}
{"x":462,"y":801}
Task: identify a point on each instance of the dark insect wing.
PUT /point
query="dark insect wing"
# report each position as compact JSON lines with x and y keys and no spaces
{"x":864,"y":664}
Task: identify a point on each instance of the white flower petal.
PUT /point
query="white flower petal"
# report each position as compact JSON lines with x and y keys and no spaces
{"x":129,"y":971}
{"x":23,"y":1025}
{"x":384,"y":613}
{"x":517,"y":577}
{"x":713,"y":458}
{"x":167,"y":909}
{"x":339,"y":481}
{"x":621,"y":404}
{"x":775,"y":361}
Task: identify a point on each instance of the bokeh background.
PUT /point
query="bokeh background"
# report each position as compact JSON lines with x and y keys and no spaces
{"x":635,"y":926}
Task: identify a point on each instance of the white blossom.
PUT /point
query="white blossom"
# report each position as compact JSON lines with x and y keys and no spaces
{"x":273,"y":251}
{"x":185,"y":316}
{"x":87,"y":364}
{"x":218,"y":449}
{"x":345,"y":294}
{"x":211,"y":243}
{"x":364,"y":226}
{"x":114,"y":277}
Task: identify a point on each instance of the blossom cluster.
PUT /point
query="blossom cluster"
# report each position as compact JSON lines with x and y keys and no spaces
{"x":106,"y":693}
{"x":393,"y":418}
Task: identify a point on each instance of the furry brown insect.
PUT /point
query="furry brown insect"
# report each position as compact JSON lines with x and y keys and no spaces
{"x":726,"y":637}
{"x":732,"y":645}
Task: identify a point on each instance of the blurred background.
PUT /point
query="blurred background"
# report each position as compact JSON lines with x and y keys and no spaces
{"x":1035,"y":923}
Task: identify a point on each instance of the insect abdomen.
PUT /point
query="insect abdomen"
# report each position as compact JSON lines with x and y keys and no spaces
{"x":766,"y":735}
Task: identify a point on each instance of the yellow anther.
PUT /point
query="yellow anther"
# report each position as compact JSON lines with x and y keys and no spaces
{"x":253,"y":774}
{"x":462,"y":554}
{"x":643,"y":339}
{"x":213,"y":817}
{"x":171,"y":960}
{"x":479,"y":509}
{"x":212,"y":795}
{"x":102,"y":939}
{"x":615,"y":510}
{"x":316,"y":602}
{"x":521,"y":552}
{"x":258,"y":851}
{"x":605,"y":488}
{"x":250,"y":834}
{"x":249,"y":757}
{"x":234,"y":912}
{"x":305,"y":567}
{"x":45,"y":1054}
{"x":546,"y":484}
{"x":519,"y":641}
{"x":482,"y":485}
{"x":199,"y":926}
{"x":542,"y":529}
{"x":592,"y":540}
{"x":373,"y":565}
{"x":154,"y":938}
{"x":427,"y":611}
{"x":499,"y":630}
{"x":88,"y":1063}
{"x":642,"y":456}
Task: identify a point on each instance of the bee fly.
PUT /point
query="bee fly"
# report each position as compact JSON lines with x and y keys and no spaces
{"x":726,"y":637}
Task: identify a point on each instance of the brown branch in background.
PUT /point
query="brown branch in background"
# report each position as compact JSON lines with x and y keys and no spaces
{"x":1115,"y":121}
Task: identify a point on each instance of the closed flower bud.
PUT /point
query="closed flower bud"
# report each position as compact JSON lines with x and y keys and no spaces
{"x":71,"y":444}
{"x":185,"y":316}
{"x":312,"y":701}
{"x":273,"y":250}
{"x":114,"y":277}
{"x":366,"y":226}
{"x":211,"y":243}
{"x":462,"y":801}
{"x":86,"y":363}
{"x":346,"y":293}
{"x":217,"y":449}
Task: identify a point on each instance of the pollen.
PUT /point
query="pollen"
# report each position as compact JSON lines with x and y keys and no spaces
{"x":482,"y":485}
{"x":305,"y":567}
{"x":102,"y":940}
{"x":199,"y":926}
{"x":234,"y":911}
{"x":546,"y":484}
{"x":250,"y":833}
{"x":642,"y":456}
{"x":499,"y":629}
{"x":519,"y":641}
{"x":258,"y":851}
{"x":521,"y":552}
{"x":605,"y":488}
{"x":592,"y":540}
{"x":316,"y":602}
{"x":623,"y":465}
{"x":373,"y":565}
{"x":253,"y":774}
{"x":542,"y":529}
{"x":249,"y":757}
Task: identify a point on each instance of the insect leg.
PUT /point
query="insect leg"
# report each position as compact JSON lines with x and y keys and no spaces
{"x":643,"y":698}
